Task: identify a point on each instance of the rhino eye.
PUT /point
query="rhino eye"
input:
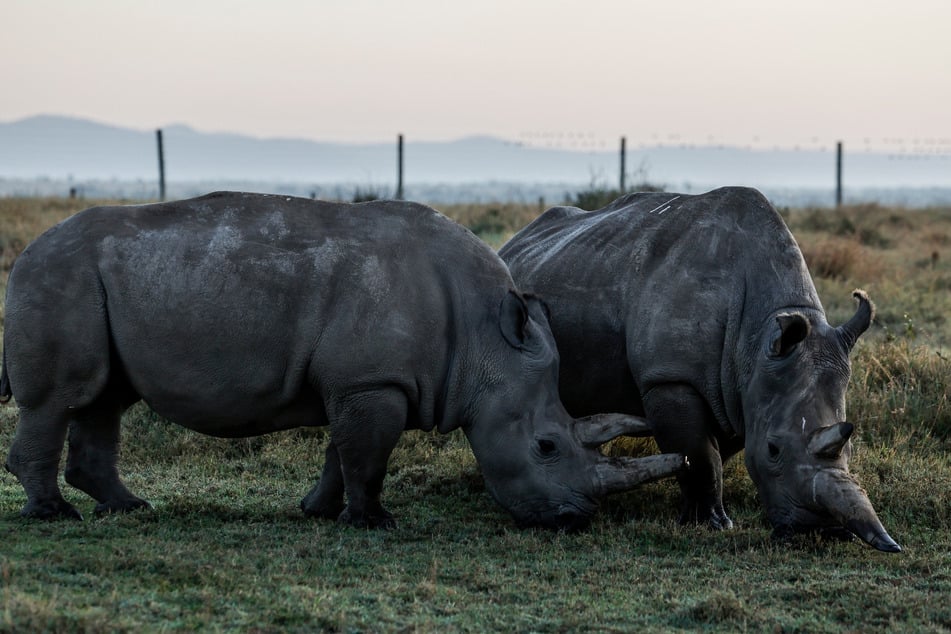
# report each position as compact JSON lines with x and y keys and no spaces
{"x":547,"y":447}
{"x":773,"y":450}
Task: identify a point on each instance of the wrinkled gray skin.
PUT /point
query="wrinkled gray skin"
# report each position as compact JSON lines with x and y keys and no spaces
{"x":699,"y":312}
{"x":242,"y":314}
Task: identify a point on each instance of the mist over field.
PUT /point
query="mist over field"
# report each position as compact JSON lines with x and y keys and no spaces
{"x":49,"y":155}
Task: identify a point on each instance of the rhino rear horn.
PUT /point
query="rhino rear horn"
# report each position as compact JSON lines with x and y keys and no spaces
{"x":594,"y":431}
{"x":850,"y":331}
{"x":828,"y":442}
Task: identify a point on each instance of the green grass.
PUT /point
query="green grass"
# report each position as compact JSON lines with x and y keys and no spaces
{"x":226,"y":548}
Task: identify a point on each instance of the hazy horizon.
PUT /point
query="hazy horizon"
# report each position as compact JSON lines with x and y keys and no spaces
{"x":565,"y":74}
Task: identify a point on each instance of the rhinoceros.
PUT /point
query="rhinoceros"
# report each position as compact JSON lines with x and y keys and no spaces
{"x":241,"y":314}
{"x":699,"y":311}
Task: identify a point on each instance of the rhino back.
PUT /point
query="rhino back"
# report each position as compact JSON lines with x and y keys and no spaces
{"x":657,"y":288}
{"x":233,"y":312}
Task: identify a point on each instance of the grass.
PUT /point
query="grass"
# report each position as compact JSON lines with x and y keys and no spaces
{"x":226,"y":548}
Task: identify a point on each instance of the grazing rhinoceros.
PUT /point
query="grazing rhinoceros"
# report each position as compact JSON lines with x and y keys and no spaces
{"x":241,"y":314}
{"x":699,"y":311}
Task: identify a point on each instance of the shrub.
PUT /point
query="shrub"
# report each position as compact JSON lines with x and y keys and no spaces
{"x":493,"y":223}
{"x":833,"y":258}
{"x":367,"y":194}
{"x":593,"y":198}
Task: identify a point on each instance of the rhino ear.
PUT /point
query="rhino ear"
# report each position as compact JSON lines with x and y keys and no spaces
{"x":513,"y":319}
{"x":793,"y":329}
{"x":537,"y":308}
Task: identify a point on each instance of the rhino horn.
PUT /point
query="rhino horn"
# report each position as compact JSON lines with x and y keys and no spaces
{"x":850,"y":331}
{"x":613,"y":475}
{"x":836,"y":492}
{"x":594,"y":431}
{"x":828,"y":442}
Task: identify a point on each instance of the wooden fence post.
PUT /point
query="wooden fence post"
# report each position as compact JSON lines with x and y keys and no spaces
{"x":838,"y":174}
{"x":161,"y":165}
{"x":623,"y":161}
{"x":399,"y":167}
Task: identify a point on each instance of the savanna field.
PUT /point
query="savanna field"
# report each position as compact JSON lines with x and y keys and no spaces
{"x":226,"y":547}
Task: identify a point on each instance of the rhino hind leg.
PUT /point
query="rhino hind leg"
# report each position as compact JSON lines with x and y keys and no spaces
{"x":34,"y":459}
{"x":365,"y":429}
{"x":325,"y":500}
{"x":685,"y":425}
{"x":93,"y":456}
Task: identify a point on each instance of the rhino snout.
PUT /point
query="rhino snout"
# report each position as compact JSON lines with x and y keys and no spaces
{"x":836,"y":506}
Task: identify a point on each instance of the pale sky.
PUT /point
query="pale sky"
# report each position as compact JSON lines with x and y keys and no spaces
{"x":740,"y":72}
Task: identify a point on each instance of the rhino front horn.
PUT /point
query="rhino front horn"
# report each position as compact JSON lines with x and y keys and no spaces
{"x":613,"y":475}
{"x":845,"y":500}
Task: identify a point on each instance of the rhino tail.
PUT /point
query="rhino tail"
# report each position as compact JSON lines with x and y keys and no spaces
{"x":5,"y":391}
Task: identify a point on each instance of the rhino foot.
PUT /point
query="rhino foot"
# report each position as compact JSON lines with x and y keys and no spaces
{"x":322,"y":511}
{"x":51,"y":510}
{"x":379,"y":519}
{"x":122,"y":506}
{"x":715,"y":518}
{"x":322,"y":504}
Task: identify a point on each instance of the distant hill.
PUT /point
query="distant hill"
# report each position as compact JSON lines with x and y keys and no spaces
{"x":77,"y":150}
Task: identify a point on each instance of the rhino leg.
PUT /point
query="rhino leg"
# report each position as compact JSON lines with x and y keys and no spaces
{"x":365,"y":428}
{"x":93,"y":455}
{"x":684,"y":424}
{"x":34,"y":459}
{"x":325,"y":500}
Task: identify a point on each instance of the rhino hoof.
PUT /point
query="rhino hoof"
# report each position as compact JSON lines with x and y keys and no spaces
{"x":60,"y":509}
{"x":720,"y":522}
{"x":381,"y":519}
{"x":125,"y":506}
{"x":715,"y":519}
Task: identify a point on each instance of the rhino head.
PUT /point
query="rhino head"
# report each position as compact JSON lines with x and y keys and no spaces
{"x":539,"y":463}
{"x":797,"y":443}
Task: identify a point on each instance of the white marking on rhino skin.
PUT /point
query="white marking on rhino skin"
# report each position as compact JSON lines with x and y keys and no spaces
{"x":275,"y":226}
{"x":803,"y":425}
{"x":662,"y":205}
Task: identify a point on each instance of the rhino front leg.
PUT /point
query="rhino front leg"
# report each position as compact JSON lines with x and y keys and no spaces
{"x":34,"y":460}
{"x":93,"y":456}
{"x":365,"y":429}
{"x":684,"y":424}
{"x":325,"y":500}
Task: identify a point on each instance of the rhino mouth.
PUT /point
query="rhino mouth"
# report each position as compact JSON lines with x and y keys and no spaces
{"x":825,"y":530}
{"x":567,"y":517}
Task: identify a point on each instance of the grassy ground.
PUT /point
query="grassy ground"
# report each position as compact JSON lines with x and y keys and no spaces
{"x":226,"y":547}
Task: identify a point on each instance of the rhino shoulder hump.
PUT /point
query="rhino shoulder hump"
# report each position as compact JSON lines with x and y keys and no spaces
{"x":561,"y":212}
{"x":740,"y":194}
